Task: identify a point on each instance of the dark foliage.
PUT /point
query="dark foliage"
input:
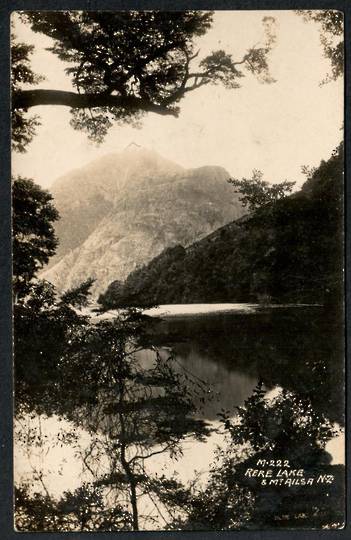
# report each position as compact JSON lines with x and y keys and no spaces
{"x":88,"y":373}
{"x":271,"y":430}
{"x":124,"y":64}
{"x":34,"y":240}
{"x":131,"y":411}
{"x":78,"y":296}
{"x":23,"y":127}
{"x":256,"y":192}
{"x":331,"y":24}
{"x":286,"y":251}
{"x":82,"y":510}
{"x":47,"y":332}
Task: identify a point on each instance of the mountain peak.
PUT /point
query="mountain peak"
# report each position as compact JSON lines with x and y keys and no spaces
{"x":123,"y":209}
{"x":132,"y":146}
{"x":136,"y":151}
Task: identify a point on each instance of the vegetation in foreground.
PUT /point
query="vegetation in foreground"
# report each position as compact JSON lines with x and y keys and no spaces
{"x":133,"y":412}
{"x":90,"y":375}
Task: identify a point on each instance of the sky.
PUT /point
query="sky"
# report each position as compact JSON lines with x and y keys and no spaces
{"x":276,"y":128}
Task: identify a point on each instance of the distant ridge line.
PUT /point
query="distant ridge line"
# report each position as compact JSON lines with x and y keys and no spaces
{"x":131,"y":144}
{"x":232,"y":225}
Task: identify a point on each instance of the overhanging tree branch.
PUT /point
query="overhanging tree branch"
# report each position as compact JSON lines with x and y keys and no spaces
{"x":26,"y":99}
{"x":123,"y":65}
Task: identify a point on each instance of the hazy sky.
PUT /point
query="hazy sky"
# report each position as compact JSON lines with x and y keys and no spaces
{"x":276,"y":128}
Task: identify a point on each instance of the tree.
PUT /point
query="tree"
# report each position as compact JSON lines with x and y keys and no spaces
{"x":265,"y":431}
{"x":34,"y":240}
{"x":287,"y":423}
{"x":131,"y":411}
{"x":23,"y":128}
{"x":79,"y":296}
{"x":142,"y":410}
{"x":124,"y":64}
{"x":47,"y":331}
{"x":110,"y":298}
{"x":82,"y":510}
{"x":256,"y":192}
{"x":134,"y":410}
{"x":331,"y":23}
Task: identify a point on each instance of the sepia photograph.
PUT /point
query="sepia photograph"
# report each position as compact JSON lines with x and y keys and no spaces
{"x":178,"y":270}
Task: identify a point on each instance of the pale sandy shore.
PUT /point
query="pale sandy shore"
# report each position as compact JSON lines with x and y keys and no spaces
{"x":170,"y":310}
{"x":183,"y":310}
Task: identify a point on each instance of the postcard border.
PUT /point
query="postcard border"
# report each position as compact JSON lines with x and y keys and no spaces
{"x":6,"y":390}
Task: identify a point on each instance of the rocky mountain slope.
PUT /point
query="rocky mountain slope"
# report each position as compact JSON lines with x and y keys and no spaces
{"x":287,"y":251}
{"x":122,"y":210}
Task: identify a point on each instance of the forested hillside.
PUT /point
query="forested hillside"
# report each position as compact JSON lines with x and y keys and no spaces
{"x":287,"y":251}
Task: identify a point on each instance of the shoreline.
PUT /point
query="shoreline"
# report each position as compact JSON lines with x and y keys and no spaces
{"x":200,"y":309}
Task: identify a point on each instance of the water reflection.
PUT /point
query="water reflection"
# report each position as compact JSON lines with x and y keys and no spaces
{"x":228,"y":387}
{"x":300,"y":349}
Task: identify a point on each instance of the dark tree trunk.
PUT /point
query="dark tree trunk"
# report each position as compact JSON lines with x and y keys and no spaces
{"x":133,"y":494}
{"x":126,"y":464}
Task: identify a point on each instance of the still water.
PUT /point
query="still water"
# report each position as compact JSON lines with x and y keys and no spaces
{"x":299,"y":348}
{"x":232,"y":348}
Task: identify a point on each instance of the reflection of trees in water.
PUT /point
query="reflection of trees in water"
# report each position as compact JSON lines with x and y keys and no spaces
{"x":131,"y":411}
{"x":297,"y":348}
{"x":230,"y":387}
{"x":135,"y":407}
{"x":283,"y":428}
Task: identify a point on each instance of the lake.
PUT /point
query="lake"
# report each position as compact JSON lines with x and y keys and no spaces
{"x":234,"y":346}
{"x":231,"y":347}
